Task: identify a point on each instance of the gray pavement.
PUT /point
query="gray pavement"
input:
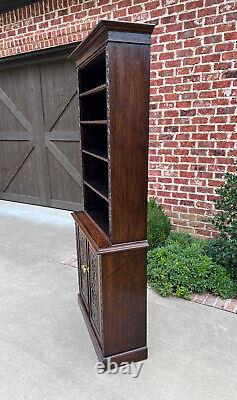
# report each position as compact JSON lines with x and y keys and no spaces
{"x":46,"y":352}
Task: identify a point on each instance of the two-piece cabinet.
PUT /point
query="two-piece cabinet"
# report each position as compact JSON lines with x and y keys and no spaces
{"x":113,"y":65}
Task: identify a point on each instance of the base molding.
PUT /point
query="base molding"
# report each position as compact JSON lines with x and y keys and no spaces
{"x":129,"y":356}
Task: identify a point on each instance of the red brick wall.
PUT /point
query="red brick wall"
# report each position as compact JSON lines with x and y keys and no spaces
{"x":193,"y":118}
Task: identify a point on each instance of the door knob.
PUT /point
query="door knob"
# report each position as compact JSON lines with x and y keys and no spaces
{"x":85,"y":268}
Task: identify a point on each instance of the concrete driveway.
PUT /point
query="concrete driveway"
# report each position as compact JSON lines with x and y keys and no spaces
{"x":46,"y":352}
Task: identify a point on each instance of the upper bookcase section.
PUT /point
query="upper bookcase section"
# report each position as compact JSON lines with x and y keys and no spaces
{"x":112,"y":31}
{"x":114,"y":85}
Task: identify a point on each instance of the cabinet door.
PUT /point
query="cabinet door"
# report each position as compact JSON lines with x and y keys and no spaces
{"x":95,"y":291}
{"x":83,"y":268}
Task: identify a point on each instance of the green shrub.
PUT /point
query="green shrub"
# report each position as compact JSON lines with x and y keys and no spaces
{"x":158,"y":224}
{"x":225,"y":219}
{"x":224,"y":252}
{"x":181,"y":267}
{"x":182,"y":239}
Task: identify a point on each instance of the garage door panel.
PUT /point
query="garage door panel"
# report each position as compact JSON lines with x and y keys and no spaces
{"x":39,"y":137}
{"x":65,"y":123}
{"x":19,"y":87}
{"x":17,"y":174}
{"x":11,"y":154}
{"x":63,"y":184}
{"x":58,"y":86}
{"x":65,"y":163}
{"x":70,"y":151}
{"x":9,"y":123}
{"x":25,"y":181}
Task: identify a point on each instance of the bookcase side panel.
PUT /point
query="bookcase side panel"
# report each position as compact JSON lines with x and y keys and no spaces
{"x":128,"y":68}
{"x":124,"y":301}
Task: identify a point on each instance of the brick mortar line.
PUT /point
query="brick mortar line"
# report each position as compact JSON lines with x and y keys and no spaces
{"x":217,"y":302}
{"x":216,"y":307}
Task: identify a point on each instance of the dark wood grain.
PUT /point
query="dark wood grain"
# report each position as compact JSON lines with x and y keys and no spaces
{"x":124,"y":301}
{"x":128,"y":131}
{"x":112,"y":294}
{"x":113,"y":70}
{"x":119,"y":358}
{"x":94,"y":235}
{"x":100,"y":35}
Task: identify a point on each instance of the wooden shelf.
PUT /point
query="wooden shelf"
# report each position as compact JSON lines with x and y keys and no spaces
{"x":96,"y":154}
{"x":94,"y":90}
{"x":98,"y":217}
{"x":98,"y":187}
{"x":97,"y":122}
{"x":93,"y":74}
{"x":85,"y":221}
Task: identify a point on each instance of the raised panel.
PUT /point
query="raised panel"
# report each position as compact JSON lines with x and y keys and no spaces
{"x":83,"y":268}
{"x":95,"y":291}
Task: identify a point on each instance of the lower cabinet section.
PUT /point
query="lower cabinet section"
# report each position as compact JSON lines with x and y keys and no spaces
{"x":113,"y":296}
{"x":89,"y":280}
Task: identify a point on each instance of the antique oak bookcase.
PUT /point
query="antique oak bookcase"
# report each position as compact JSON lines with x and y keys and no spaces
{"x":113,"y":65}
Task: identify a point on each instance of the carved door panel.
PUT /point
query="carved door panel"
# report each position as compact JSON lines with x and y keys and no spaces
{"x":83,"y":268}
{"x":89,"y":273}
{"x":95,"y":291}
